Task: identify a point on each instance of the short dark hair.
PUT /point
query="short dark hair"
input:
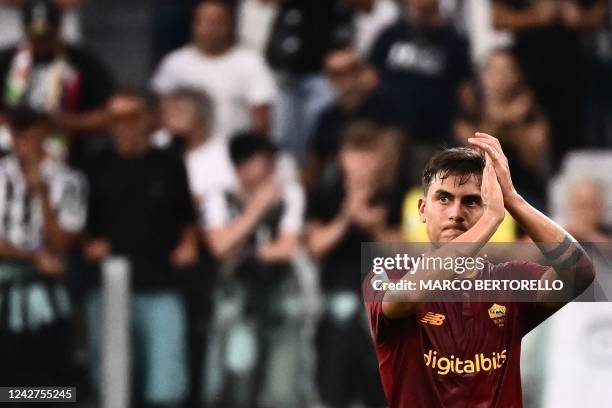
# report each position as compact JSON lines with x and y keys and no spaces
{"x":463,"y":162}
{"x":40,"y":17}
{"x":361,"y":134}
{"x":245,"y":145}
{"x":24,"y":118}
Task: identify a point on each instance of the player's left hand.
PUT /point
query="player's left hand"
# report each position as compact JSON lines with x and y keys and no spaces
{"x":492,"y":147}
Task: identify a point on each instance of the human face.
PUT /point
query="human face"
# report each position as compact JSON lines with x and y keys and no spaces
{"x":586,"y":204}
{"x":361,"y":166}
{"x":343,"y":70}
{"x":450,"y":208}
{"x":501,"y":76}
{"x":179,"y":115}
{"x":422,"y":11}
{"x":212,"y":27}
{"x":255,"y":171}
{"x":28,"y":143}
{"x":129,"y":124}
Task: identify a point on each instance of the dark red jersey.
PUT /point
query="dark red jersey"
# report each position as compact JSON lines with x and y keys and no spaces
{"x":461,"y":354}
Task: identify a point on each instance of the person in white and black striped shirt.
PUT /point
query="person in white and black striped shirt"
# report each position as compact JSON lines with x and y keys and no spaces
{"x":42,"y":210}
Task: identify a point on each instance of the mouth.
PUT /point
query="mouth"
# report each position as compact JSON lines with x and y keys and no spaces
{"x":454,"y":230}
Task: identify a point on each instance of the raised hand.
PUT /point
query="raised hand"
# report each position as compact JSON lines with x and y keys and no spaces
{"x":491,"y":146}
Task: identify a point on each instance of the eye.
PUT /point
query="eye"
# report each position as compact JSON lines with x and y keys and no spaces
{"x":443,"y":199}
{"x":472,"y":202}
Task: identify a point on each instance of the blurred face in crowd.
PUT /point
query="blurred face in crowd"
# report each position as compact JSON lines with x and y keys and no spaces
{"x":422,"y":12}
{"x":212,"y":27}
{"x":253,"y":172}
{"x":362,"y":165}
{"x":28,"y":143}
{"x":451,"y":206}
{"x":344,"y":70}
{"x":586,"y":204}
{"x":501,"y":75}
{"x":180,"y":116}
{"x":129,"y":124}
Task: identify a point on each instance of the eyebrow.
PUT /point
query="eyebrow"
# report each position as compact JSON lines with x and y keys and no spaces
{"x":441,"y":192}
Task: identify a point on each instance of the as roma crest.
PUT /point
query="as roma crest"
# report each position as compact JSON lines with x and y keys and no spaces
{"x":497,"y":313}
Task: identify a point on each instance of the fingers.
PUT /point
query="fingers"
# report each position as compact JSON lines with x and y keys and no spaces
{"x":484,"y":137}
{"x":489,"y":148}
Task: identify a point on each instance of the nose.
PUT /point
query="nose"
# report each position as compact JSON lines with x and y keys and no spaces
{"x":456,"y":212}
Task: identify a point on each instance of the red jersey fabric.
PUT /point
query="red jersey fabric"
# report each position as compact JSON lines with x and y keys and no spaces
{"x":455,"y":355}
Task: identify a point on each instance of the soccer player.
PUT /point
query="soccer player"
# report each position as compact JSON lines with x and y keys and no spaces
{"x":467,"y":354}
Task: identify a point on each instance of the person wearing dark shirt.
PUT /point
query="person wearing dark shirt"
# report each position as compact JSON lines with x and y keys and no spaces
{"x":358,"y":99}
{"x":65,"y":82}
{"x":445,"y":354}
{"x":361,"y":206}
{"x":423,"y":62}
{"x":549,"y":38}
{"x":141,"y":210}
{"x":302,"y":34}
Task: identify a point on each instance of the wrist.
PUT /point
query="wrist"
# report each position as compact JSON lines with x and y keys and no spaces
{"x":512,"y":200}
{"x":494,"y":216}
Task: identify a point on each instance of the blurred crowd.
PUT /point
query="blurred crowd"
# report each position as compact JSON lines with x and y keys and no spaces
{"x":272,"y":138}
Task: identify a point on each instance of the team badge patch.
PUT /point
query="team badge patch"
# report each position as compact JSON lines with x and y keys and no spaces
{"x":497,"y":313}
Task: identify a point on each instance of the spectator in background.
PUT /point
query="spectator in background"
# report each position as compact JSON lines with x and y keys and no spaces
{"x":549,"y":45}
{"x":171,"y":22}
{"x":42,"y":212}
{"x":254,"y":228}
{"x":186,"y":115}
{"x":358,"y":98}
{"x":423,"y":62}
{"x":236,"y":79}
{"x":360,"y":207}
{"x":509,"y":110}
{"x":372,"y":17}
{"x":66,"y":83}
{"x":141,"y":209}
{"x":11,"y":29}
{"x":586,"y":209}
{"x":302,"y":34}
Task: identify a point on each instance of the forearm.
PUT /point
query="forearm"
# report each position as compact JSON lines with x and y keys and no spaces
{"x":398,"y":304}
{"x":261,"y":118}
{"x":279,"y":250}
{"x":322,"y":238}
{"x":594,"y":17}
{"x":507,"y":18}
{"x":9,"y":252}
{"x":568,"y":258}
{"x":82,"y":122}
{"x":227,"y":240}
{"x":56,"y":239}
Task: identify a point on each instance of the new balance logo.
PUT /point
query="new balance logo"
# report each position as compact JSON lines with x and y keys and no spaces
{"x":433,"y":318}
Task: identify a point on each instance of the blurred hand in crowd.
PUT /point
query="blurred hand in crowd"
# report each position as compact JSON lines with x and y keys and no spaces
{"x":95,"y":250}
{"x":49,"y":264}
{"x":186,"y":253}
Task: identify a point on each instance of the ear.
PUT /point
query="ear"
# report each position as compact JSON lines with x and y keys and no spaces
{"x":422,"y":210}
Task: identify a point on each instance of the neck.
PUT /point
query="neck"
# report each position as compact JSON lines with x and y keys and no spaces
{"x":196,"y":138}
{"x":213,"y":50}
